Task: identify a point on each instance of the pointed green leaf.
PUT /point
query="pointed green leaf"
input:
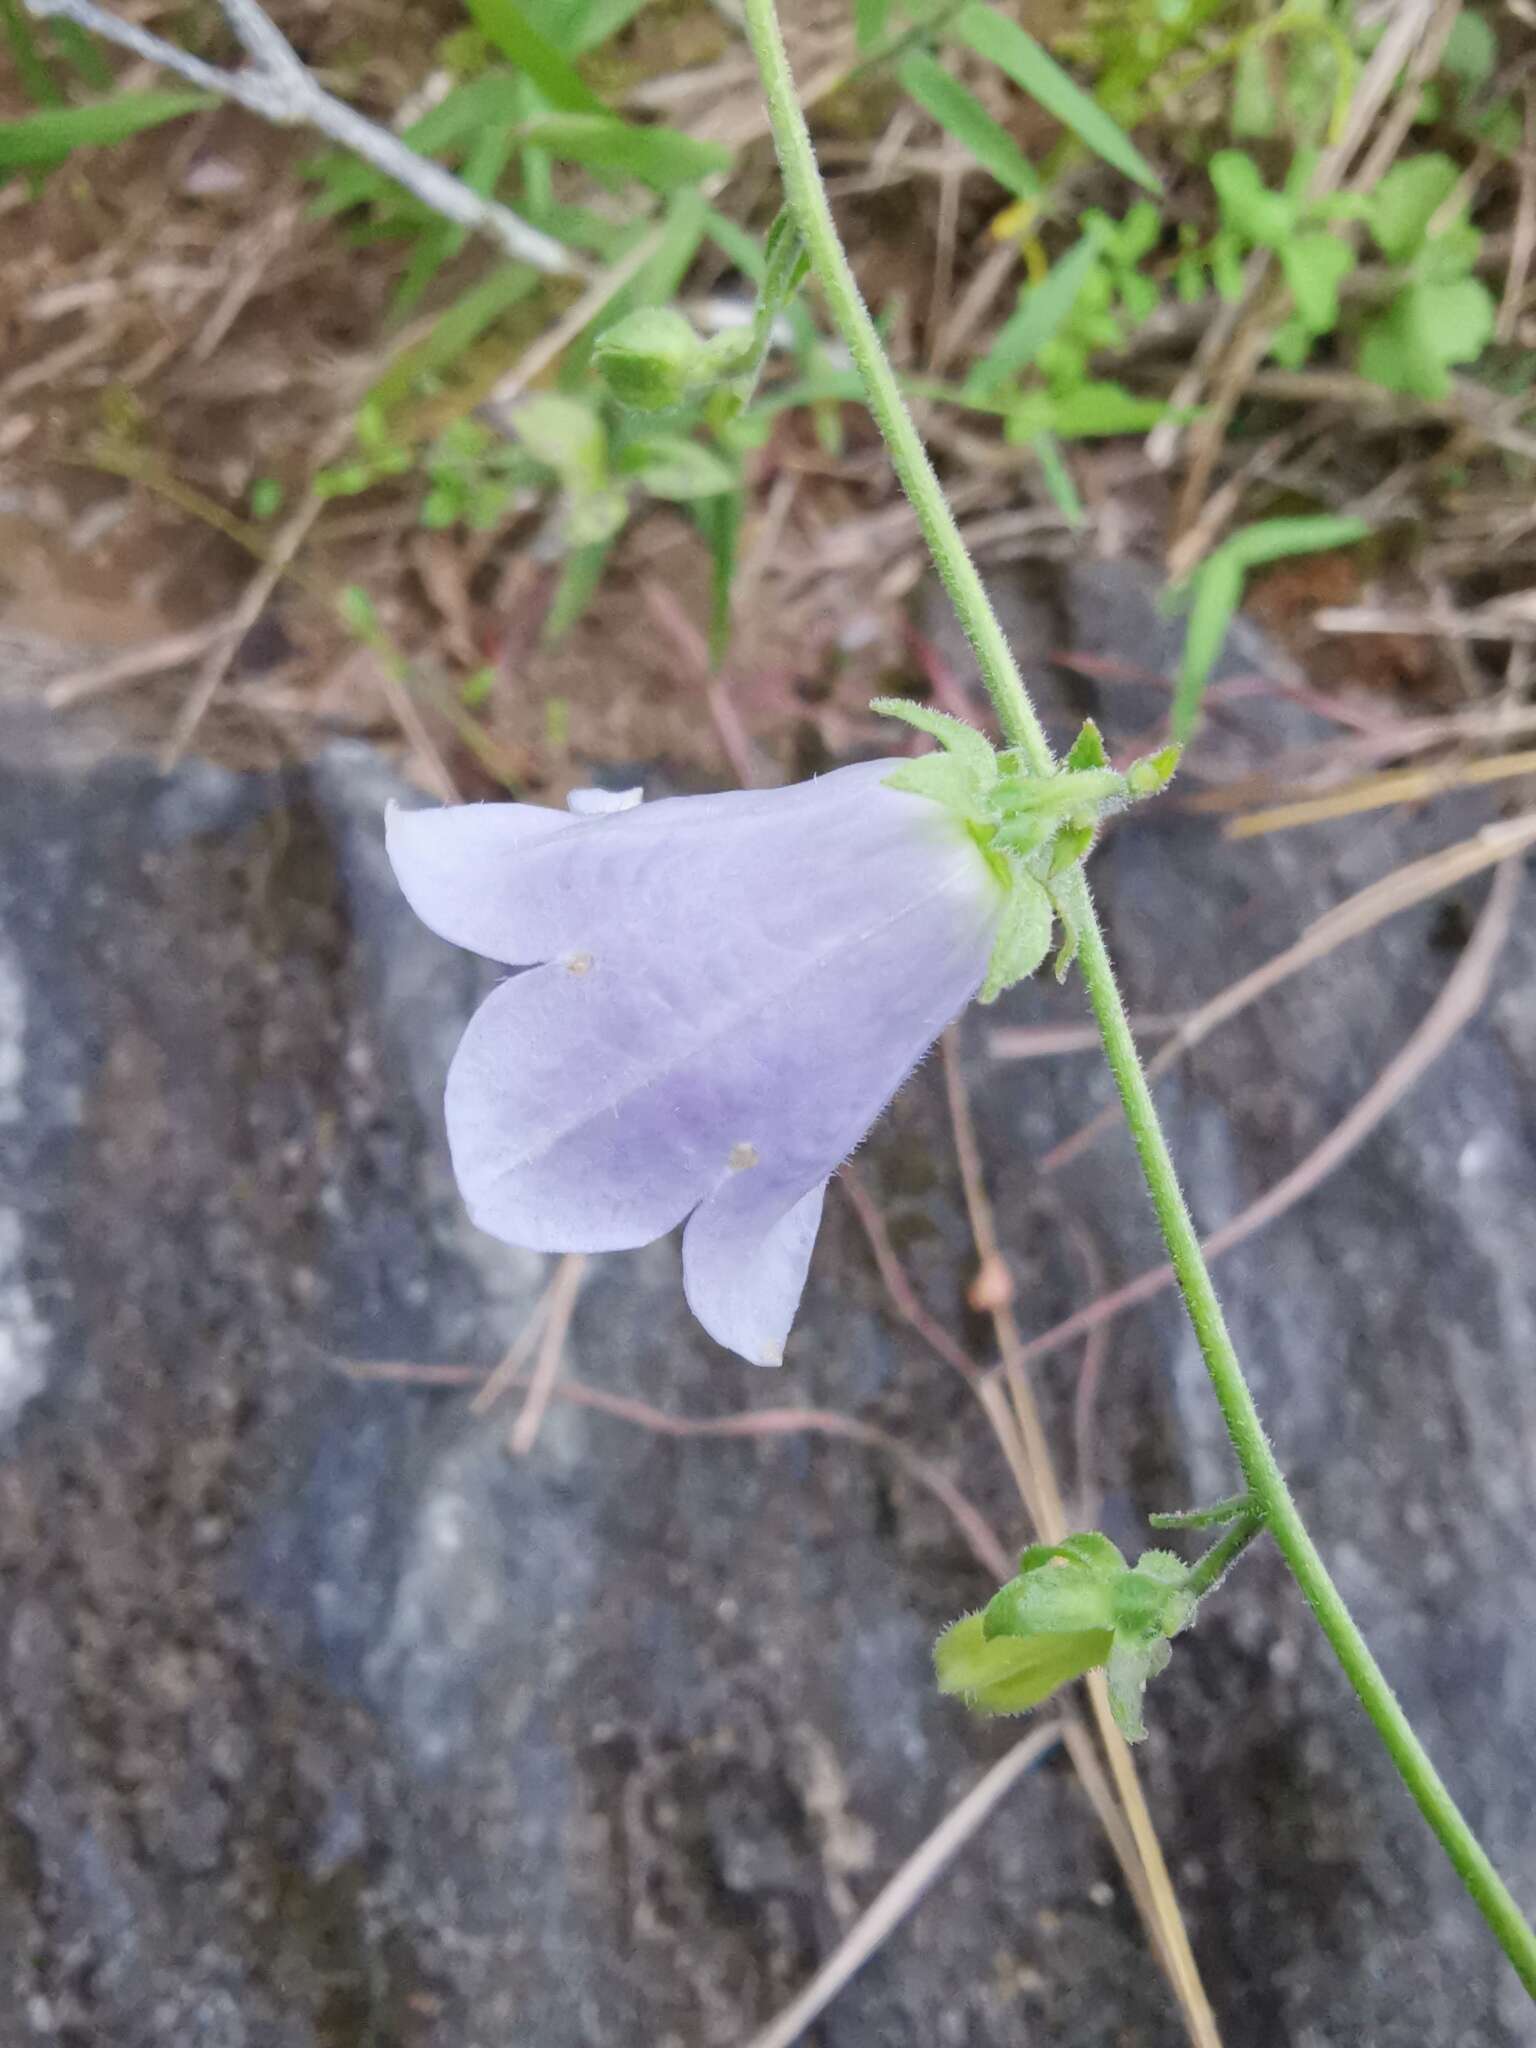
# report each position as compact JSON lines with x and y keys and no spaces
{"x":1275,"y":540}
{"x":668,"y":466}
{"x":507,"y":26}
{"x":962,"y":115}
{"x":1034,"y":71}
{"x":1072,"y":844}
{"x":1087,"y":749}
{"x":45,"y":137}
{"x":1042,"y":311}
{"x":953,"y":734}
{"x":1218,"y":593}
{"x":663,"y":158}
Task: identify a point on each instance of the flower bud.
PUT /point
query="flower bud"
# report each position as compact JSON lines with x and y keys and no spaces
{"x":652,"y":359}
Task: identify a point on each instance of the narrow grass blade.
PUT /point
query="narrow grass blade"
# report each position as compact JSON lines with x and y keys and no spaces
{"x":663,"y":158}
{"x":43,"y":138}
{"x":1041,"y":312}
{"x":1035,"y":71}
{"x":504,"y":24}
{"x":963,"y":116}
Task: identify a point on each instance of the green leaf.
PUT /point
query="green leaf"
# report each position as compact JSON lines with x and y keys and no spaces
{"x":1253,"y":91}
{"x":1426,"y":328}
{"x":566,"y":436}
{"x":1035,"y":72}
{"x":668,"y":466}
{"x":952,"y":734}
{"x":581,"y":25}
{"x":1023,"y":937}
{"x":1315,"y":264}
{"x":1098,"y":409}
{"x":1471,"y":52}
{"x":719,"y":520}
{"x":81,"y":52}
{"x":1261,"y":217}
{"x":1042,"y":311}
{"x":593,"y":517}
{"x":963,"y":116}
{"x":1058,"y":478}
{"x":1009,"y":1675}
{"x":504,"y":24}
{"x":579,"y":579}
{"x":1275,"y":540}
{"x":37,"y":80}
{"x":869,"y":19}
{"x":44,"y":138}
{"x":1407,"y":199}
{"x":663,"y":158}
{"x":1218,"y":588}
{"x":1087,"y":750}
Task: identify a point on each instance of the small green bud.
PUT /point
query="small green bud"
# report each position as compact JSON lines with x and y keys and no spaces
{"x":652,"y":359}
{"x":1153,"y":774}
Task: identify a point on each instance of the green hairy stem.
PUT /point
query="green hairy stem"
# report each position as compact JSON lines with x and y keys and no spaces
{"x":1272,"y":1501}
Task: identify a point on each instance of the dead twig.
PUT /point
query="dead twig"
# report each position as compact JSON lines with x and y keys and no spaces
{"x":561,"y":1298}
{"x":895,"y":1900}
{"x":135,"y":663}
{"x":276,"y":85}
{"x":988,"y":1548}
{"x":1145,"y":1867}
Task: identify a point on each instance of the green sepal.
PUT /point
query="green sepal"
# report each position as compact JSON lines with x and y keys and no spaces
{"x":943,"y":778}
{"x":1010,"y":1674}
{"x":1087,"y":749}
{"x":1089,"y":1547}
{"x":1154,"y":1599}
{"x":1131,"y":1664}
{"x":1062,"y":1599}
{"x":1072,"y":844}
{"x":1153,"y":773}
{"x":1023,"y":932}
{"x":952,"y":734}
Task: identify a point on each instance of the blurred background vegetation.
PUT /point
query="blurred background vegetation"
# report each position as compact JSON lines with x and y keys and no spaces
{"x":1247,"y":288}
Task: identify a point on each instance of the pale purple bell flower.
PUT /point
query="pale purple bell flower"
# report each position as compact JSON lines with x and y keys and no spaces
{"x":720,"y":994}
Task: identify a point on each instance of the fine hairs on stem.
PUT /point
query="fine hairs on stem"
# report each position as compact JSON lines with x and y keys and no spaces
{"x":1274,"y":1507}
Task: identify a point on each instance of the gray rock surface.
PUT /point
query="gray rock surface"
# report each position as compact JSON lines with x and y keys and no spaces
{"x":324,"y":1722}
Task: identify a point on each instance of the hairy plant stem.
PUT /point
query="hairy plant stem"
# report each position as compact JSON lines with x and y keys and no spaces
{"x":1021,"y":726}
